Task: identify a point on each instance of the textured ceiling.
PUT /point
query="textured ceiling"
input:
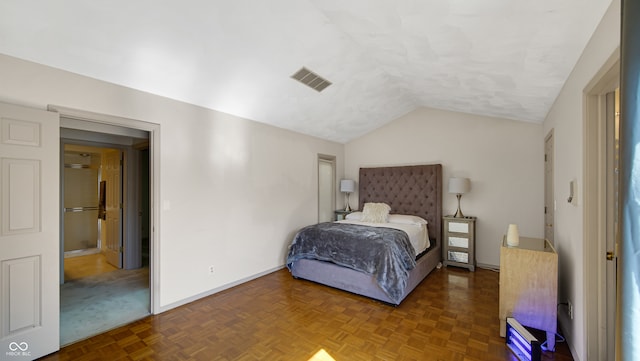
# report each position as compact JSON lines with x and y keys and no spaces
{"x":385,"y":58}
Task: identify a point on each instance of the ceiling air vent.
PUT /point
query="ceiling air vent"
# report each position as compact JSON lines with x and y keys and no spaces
{"x":311,"y":79}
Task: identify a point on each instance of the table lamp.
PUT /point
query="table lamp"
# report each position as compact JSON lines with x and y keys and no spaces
{"x":459,"y":186}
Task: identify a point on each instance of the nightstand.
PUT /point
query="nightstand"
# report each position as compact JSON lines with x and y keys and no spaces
{"x":341,"y":213}
{"x":459,"y":242}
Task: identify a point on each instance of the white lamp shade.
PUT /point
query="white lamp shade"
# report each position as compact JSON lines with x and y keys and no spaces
{"x":459,"y":185}
{"x":347,"y":185}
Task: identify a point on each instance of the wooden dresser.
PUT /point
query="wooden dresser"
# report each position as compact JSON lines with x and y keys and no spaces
{"x":529,"y":286}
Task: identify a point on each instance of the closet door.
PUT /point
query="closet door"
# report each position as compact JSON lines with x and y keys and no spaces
{"x":29,"y":232}
{"x":326,"y":190}
{"x":112,"y":173}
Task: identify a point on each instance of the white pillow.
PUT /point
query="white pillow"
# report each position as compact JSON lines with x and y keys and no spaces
{"x":354,"y":216}
{"x":375,"y":212}
{"x":406,"y":219}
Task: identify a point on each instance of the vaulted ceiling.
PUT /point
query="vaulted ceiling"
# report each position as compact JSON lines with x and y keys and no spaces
{"x":384,"y":58}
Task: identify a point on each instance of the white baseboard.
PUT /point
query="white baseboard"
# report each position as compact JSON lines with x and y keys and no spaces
{"x":491,"y":267}
{"x":216,"y":290}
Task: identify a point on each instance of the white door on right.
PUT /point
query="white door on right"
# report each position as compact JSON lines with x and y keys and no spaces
{"x":549,"y":199}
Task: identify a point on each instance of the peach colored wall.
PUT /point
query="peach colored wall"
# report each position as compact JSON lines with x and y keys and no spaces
{"x":503,"y":158}
{"x":233,"y":191}
{"x":566,"y":118}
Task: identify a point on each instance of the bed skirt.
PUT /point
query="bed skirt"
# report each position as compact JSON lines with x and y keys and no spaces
{"x":361,"y":283}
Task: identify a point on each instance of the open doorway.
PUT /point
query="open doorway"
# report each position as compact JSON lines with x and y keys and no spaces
{"x":105,"y":264}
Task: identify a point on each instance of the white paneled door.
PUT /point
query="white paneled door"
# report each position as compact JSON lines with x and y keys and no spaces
{"x":326,"y":190}
{"x":612,"y":239}
{"x":29,"y":233}
{"x":549,"y":197}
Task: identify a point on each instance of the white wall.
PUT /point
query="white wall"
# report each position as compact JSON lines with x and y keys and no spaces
{"x":235,"y":190}
{"x":503,"y":158}
{"x":566,"y":118}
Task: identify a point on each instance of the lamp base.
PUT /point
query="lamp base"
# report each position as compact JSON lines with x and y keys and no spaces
{"x":458,"y":212}
{"x":347,"y":208}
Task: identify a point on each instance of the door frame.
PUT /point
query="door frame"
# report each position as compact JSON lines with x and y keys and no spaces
{"x":101,"y":123}
{"x":594,"y":217}
{"x":549,"y":187}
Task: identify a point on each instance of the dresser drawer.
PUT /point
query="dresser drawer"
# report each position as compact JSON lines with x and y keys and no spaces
{"x":462,"y":242}
{"x":455,"y":256}
{"x":459,"y":227}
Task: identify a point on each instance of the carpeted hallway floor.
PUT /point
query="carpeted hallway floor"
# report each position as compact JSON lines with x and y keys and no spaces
{"x":98,"y":301}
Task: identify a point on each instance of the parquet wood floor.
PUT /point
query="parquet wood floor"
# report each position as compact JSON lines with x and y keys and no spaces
{"x":451,"y":316}
{"x":84,"y":266}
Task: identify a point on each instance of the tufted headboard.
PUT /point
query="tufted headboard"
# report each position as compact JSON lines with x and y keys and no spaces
{"x":415,"y":190}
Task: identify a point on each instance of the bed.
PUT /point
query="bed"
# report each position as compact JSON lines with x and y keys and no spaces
{"x":408,"y":190}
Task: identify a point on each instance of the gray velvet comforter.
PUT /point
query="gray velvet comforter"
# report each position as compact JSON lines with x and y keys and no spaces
{"x":385,"y":253}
